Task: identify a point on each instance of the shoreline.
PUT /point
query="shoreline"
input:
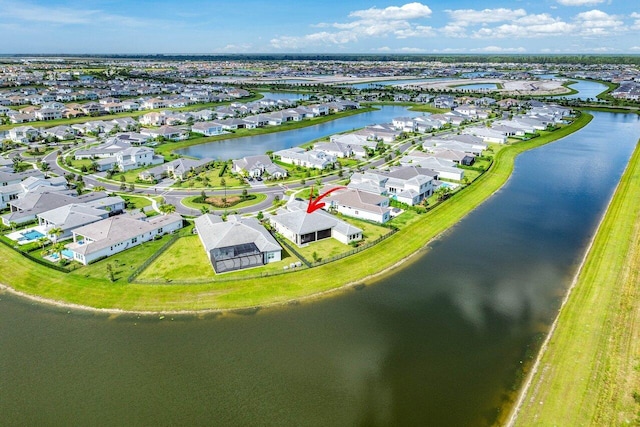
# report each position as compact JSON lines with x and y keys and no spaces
{"x":522,"y":393}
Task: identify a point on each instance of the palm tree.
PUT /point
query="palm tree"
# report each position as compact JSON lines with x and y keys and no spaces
{"x":56,"y":232}
{"x":167,"y":208}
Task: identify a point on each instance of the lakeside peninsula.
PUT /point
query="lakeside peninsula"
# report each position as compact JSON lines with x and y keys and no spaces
{"x":34,"y":280}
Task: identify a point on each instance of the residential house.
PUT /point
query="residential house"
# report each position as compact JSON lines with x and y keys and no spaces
{"x":302,"y":228}
{"x":67,"y":218}
{"x":406,"y":184}
{"x":175,"y":169}
{"x":445,"y":168}
{"x":236,"y":244}
{"x":115,"y":234}
{"x":48,"y":114}
{"x":335,"y":149}
{"x":207,"y":128}
{"x":360,"y":204}
{"x":136,"y":157}
{"x":488,"y":135}
{"x":23,"y":134}
{"x":167,"y":132}
{"x":309,"y":159}
{"x":25,"y":208}
{"x":62,"y":132}
{"x":456,"y":156}
{"x":255,"y":166}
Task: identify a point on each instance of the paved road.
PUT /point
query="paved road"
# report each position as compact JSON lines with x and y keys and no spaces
{"x":174,"y":196}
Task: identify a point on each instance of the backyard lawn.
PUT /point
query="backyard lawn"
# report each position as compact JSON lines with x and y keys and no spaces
{"x":122,"y":264}
{"x":186,"y":261}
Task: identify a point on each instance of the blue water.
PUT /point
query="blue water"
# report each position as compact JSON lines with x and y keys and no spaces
{"x":586,"y":90}
{"x":439,"y":342}
{"x":32,"y":235}
{"x":68,"y":253}
{"x":260,"y":144}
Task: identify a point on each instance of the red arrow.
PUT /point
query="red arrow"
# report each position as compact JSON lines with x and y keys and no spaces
{"x":317,"y":204}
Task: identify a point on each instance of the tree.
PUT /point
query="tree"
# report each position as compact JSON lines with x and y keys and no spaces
{"x":132,"y":187}
{"x":167,"y":208}
{"x":123,"y":186}
{"x":56,"y":232}
{"x":44,"y":167}
{"x":110,"y":272}
{"x":245,"y":194}
{"x":204,"y":209}
{"x":260,"y":216}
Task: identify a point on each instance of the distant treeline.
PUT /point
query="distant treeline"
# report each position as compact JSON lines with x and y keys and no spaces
{"x":450,"y":58}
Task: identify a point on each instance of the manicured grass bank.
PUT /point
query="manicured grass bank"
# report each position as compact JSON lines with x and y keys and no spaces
{"x":24,"y":276}
{"x":589,"y":371}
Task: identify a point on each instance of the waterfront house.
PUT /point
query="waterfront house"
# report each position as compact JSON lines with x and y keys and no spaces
{"x":115,"y":234}
{"x":301,"y":228}
{"x":237,"y":243}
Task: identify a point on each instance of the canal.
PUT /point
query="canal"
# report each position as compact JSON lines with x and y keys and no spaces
{"x":443,"y":341}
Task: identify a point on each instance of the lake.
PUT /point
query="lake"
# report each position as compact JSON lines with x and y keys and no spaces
{"x":442,"y":341}
{"x":260,"y":144}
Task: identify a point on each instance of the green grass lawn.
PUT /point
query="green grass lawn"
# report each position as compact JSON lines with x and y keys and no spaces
{"x":330,"y":247}
{"x":123,"y":264}
{"x":589,"y":370}
{"x":137,"y":202}
{"x":188,"y":202}
{"x":27,"y":277}
{"x":186,"y":261}
{"x":211,"y":178}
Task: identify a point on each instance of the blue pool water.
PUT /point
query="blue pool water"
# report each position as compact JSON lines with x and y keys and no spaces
{"x":32,"y":235}
{"x":68,"y":253}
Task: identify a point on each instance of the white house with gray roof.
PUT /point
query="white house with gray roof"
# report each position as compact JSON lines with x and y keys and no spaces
{"x":237,"y":243}
{"x":68,"y":218}
{"x":176,"y":169}
{"x":445,"y":168}
{"x":27,"y":207}
{"x":255,"y":166}
{"x":113,"y":235}
{"x":360,"y":204}
{"x":308,"y":159}
{"x":406,"y":184}
{"x":302,"y":228}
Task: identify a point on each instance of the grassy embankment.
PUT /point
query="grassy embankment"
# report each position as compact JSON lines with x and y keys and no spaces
{"x":589,"y":370}
{"x":23,"y":275}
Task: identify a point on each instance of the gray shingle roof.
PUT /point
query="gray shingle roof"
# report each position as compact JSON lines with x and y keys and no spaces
{"x":214,"y":233}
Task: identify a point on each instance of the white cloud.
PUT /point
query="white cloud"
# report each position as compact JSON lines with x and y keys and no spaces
{"x":579,"y":2}
{"x":408,"y":11}
{"x":598,"y":23}
{"x":393,"y":21}
{"x":635,"y":48}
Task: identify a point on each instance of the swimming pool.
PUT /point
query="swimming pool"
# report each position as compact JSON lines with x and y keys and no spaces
{"x":32,"y":235}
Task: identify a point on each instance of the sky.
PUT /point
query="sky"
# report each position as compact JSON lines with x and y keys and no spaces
{"x":319,"y":26}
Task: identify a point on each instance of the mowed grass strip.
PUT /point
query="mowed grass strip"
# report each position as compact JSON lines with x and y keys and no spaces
{"x":589,"y":373}
{"x":25,"y":276}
